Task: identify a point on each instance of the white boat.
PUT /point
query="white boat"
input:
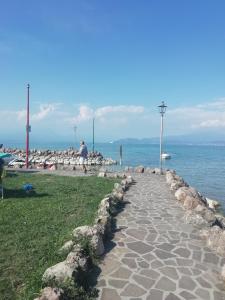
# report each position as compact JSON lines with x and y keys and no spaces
{"x":166,"y":156}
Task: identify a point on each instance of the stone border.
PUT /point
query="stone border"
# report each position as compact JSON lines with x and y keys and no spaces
{"x":200,"y":211}
{"x":77,"y":261}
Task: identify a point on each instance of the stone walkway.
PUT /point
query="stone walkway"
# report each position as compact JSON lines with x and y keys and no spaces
{"x":156,"y":256}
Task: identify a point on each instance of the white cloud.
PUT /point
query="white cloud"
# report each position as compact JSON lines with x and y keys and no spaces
{"x":45,"y":111}
{"x":103,"y":113}
{"x":85,"y":114}
{"x":212,"y":124}
{"x":207,"y":115}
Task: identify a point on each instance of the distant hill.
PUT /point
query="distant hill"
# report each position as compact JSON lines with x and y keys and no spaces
{"x":198,"y":139}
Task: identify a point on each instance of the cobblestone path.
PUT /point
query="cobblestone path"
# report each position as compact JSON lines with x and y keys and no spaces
{"x":155,"y":255}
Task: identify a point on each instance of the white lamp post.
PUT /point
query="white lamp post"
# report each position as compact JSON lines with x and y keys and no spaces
{"x":162,"y":110}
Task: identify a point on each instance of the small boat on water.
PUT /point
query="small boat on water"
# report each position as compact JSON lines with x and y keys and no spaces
{"x":166,"y":156}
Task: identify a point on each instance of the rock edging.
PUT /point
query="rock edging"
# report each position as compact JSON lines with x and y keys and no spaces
{"x":77,"y":260}
{"x":200,"y":211}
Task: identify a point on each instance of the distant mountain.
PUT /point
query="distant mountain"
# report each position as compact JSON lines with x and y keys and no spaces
{"x":199,"y":139}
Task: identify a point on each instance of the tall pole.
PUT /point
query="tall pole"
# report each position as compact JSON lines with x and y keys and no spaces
{"x":162,"y":110}
{"x":161,"y":141}
{"x":75,"y":135}
{"x":93,"y":135}
{"x":28,"y":125}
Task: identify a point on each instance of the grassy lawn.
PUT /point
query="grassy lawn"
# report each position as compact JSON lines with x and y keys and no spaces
{"x":34,"y":227}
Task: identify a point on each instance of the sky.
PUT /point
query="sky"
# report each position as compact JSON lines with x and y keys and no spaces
{"x":115,"y":61}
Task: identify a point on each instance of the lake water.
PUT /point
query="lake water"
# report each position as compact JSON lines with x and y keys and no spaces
{"x":202,"y":166}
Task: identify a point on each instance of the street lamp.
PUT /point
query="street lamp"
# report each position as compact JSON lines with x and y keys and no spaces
{"x":75,"y":136}
{"x":93,"y":136}
{"x":28,"y":127}
{"x":162,"y":110}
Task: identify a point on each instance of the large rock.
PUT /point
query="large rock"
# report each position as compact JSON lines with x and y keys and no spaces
{"x":157,"y":171}
{"x":169,"y":177}
{"x":193,"y":218}
{"x":206,"y":213}
{"x":190,"y":202}
{"x":104,"y":223}
{"x":59,"y":273}
{"x":102,"y":174}
{"x":117,"y":196}
{"x":66,"y":248}
{"x":130,"y":180}
{"x":185,"y":191}
{"x":50,"y":293}
{"x":175,"y":185}
{"x":221,"y":220}
{"x":76,"y":257}
{"x":215,"y":239}
{"x":118,"y":187}
{"x":213,"y":204}
{"x":93,"y":235}
{"x":223,"y":273}
{"x":149,"y":170}
{"x":139,"y":169}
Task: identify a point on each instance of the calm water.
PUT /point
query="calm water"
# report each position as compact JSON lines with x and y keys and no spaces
{"x":203,"y":167}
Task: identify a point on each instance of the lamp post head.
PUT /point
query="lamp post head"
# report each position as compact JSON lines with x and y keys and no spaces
{"x":28,"y":85}
{"x":162,"y":108}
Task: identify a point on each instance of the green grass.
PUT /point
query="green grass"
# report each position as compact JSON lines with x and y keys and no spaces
{"x":34,"y":227}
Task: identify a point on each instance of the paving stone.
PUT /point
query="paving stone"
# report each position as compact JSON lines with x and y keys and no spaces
{"x":137,"y":234}
{"x":101,"y":283}
{"x":155,"y":295}
{"x":184,"y":270}
{"x":117,"y":283}
{"x":201,"y":267}
{"x":151,"y":237}
{"x":132,"y":290}
{"x":140,"y":247}
{"x":171,"y":296}
{"x":143,"y":264}
{"x":150,"y":273}
{"x":145,"y":221}
{"x":156,"y":264}
{"x":203,"y":294}
{"x":187,"y":283}
{"x":182,"y":252}
{"x":171,"y":262}
{"x":149,"y":257}
{"x":218,"y":296}
{"x":184,"y":262}
{"x":211,"y":258}
{"x":166,"y":247}
{"x":131,"y":263}
{"x":170,"y":272}
{"x":187,"y":295}
{"x":109,"y":294}
{"x":146,"y":283}
{"x":131,"y":254}
{"x":165,"y":284}
{"x":197,"y":255}
{"x":203,"y":282}
{"x":122,"y":273}
{"x":163,"y":254}
{"x":196,"y":271}
{"x":110,"y":266}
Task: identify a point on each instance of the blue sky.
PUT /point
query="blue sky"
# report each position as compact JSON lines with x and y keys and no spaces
{"x":115,"y":60}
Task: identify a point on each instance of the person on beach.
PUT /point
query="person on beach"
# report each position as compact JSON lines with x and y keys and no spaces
{"x":83,"y":155}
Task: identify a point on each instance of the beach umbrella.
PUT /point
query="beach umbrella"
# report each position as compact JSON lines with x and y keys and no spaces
{"x":4,"y":155}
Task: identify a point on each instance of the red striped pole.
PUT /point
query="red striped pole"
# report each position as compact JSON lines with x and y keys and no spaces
{"x":28,"y":125}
